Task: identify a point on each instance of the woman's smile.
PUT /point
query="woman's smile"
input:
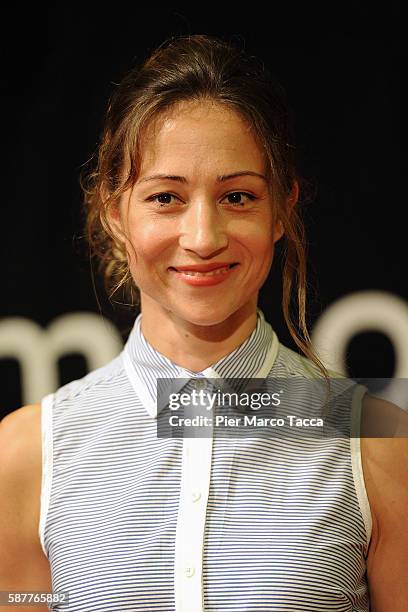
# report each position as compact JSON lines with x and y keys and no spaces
{"x":204,"y":279}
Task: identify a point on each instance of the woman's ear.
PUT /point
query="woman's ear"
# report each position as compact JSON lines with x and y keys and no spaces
{"x":113,"y":214}
{"x":114,"y":218}
{"x":290,"y":203}
{"x":294,"y":195}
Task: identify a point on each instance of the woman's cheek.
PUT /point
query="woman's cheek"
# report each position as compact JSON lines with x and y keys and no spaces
{"x":146,"y":237}
{"x":259,"y":240}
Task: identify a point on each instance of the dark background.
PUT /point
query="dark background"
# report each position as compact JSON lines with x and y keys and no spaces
{"x":345,"y":72}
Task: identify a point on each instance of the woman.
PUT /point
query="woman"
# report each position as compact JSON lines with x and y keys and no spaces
{"x":194,"y":184}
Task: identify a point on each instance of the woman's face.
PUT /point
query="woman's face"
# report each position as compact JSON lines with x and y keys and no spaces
{"x":199,"y":200}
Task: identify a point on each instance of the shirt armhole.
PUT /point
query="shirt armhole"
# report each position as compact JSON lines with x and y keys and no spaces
{"x":47,"y":464}
{"x":356,"y":463}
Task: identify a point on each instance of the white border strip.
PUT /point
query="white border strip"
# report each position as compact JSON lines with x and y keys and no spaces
{"x":47,"y":463}
{"x":356,"y":464}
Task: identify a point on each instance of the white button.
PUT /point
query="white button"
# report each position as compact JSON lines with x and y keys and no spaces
{"x":189,"y":571}
{"x":200,"y":384}
{"x":195,"y":496}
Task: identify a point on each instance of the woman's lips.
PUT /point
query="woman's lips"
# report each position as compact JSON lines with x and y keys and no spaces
{"x":204,"y":279}
{"x":204,"y":267}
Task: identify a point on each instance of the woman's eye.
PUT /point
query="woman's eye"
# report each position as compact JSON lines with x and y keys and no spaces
{"x":235,"y":197}
{"x":165,"y":198}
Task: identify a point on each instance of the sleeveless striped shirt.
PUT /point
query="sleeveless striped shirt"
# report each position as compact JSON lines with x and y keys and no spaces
{"x":131,"y":521}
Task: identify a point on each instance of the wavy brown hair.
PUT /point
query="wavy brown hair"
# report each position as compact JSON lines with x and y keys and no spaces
{"x":194,"y":68}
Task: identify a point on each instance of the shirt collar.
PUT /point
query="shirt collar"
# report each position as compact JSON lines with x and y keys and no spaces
{"x":144,"y":364}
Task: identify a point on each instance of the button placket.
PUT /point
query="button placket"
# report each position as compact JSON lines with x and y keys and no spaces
{"x":195,"y":483}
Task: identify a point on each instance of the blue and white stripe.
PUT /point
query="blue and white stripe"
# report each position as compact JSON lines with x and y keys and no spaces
{"x":282,"y":524}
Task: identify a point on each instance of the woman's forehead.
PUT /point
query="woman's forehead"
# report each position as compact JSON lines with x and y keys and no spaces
{"x":195,"y":115}
{"x":192,"y":132}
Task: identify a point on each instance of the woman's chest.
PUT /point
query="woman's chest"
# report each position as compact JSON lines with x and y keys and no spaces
{"x":271,"y":535}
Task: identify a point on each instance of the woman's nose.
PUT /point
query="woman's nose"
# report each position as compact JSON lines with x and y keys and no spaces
{"x":203,"y":229}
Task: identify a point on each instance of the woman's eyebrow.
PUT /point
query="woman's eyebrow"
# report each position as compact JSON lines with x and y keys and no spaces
{"x":182,"y":179}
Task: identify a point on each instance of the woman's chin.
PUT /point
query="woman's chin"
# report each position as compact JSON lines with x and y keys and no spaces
{"x":207,"y":316}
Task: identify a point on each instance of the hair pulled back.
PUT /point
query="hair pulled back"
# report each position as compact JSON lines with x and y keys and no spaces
{"x":196,"y":67}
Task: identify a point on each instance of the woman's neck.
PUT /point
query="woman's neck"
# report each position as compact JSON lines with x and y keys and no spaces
{"x":191,"y":346}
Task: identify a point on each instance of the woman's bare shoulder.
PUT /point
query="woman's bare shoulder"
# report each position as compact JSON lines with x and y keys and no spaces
{"x":31,"y":411}
{"x":21,"y":457}
{"x":20,"y":435}
{"x":21,"y":462}
{"x":384,"y":451}
{"x":23,"y":565}
{"x":385,"y":466}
